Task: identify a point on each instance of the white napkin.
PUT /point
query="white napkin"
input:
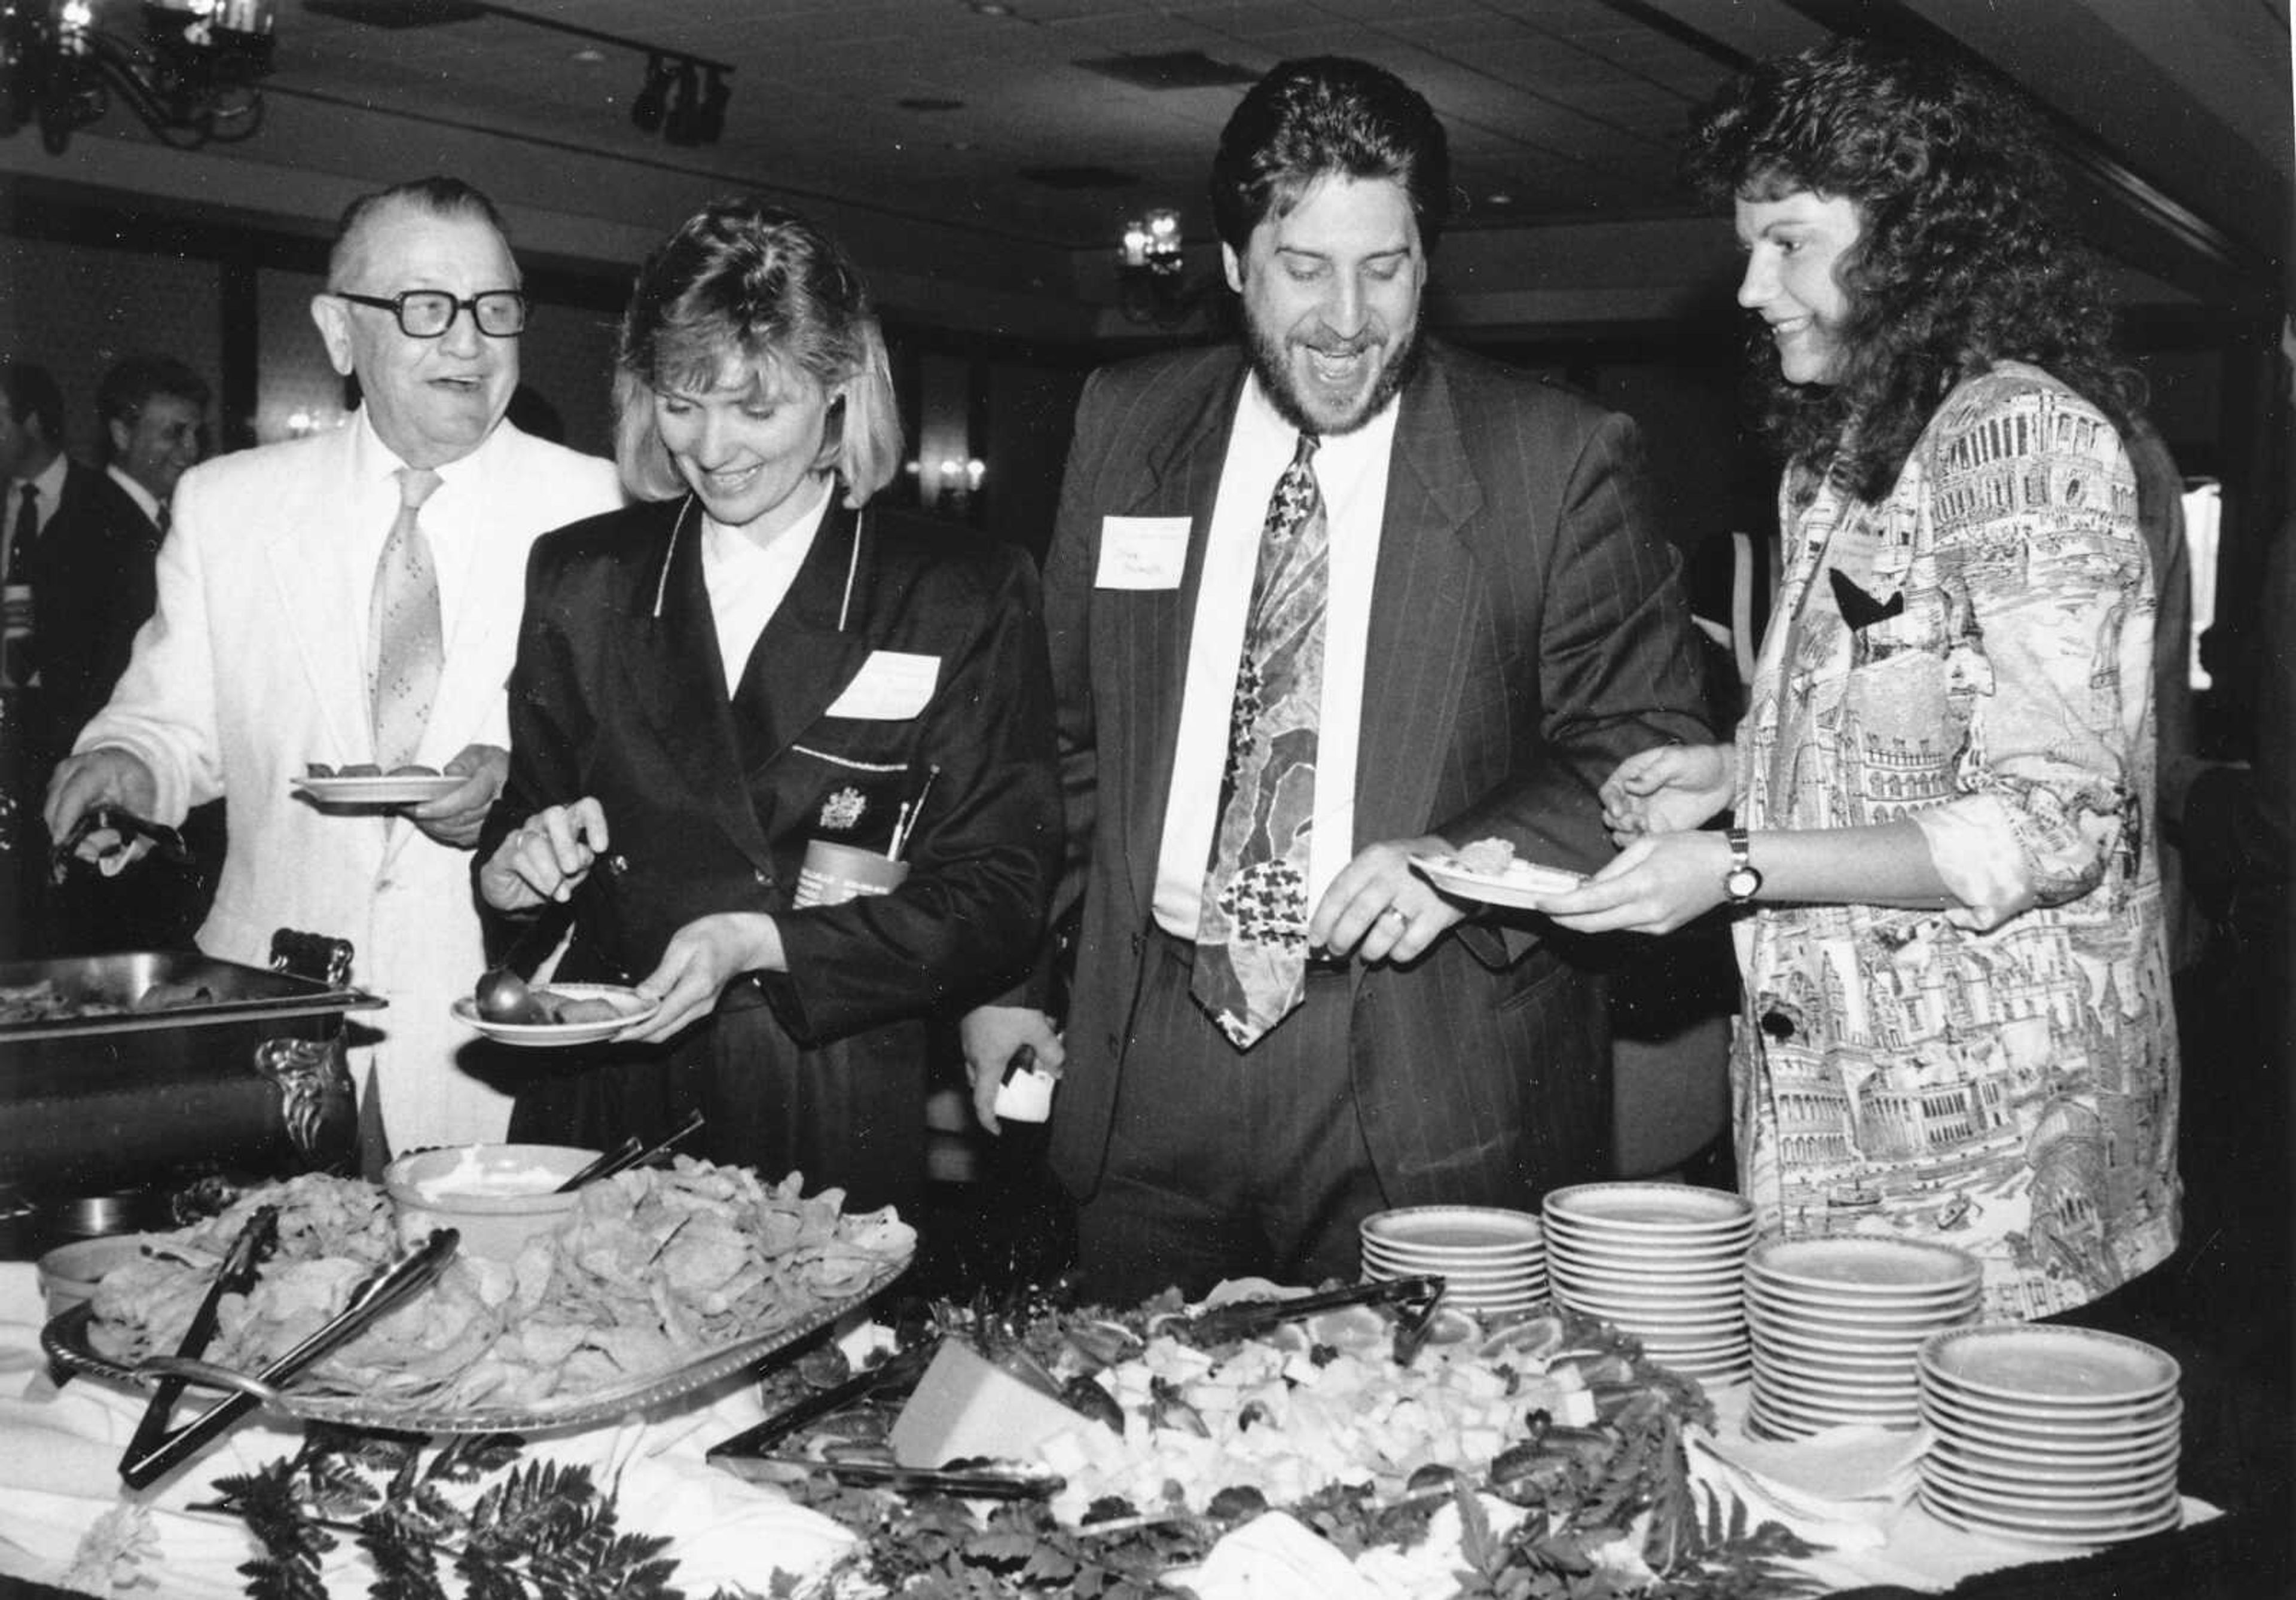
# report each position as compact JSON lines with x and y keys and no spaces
{"x":1843,"y":1488}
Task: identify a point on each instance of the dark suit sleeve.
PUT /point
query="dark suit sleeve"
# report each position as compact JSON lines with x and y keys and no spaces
{"x":1068,"y":597}
{"x":985,"y":854}
{"x":1617,"y":663}
{"x":550,"y":721}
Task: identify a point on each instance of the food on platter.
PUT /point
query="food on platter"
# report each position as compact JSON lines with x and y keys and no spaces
{"x":559,"y":1009}
{"x":45,"y":1002}
{"x":650,"y":1269}
{"x":1489,"y":870}
{"x":1159,"y":1420}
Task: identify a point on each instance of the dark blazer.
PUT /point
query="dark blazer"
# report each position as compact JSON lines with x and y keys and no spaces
{"x":619,"y":693}
{"x":91,"y":572}
{"x":1528,"y":631}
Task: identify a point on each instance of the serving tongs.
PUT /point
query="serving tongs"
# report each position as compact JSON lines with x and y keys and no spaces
{"x":1413,"y":1299}
{"x":127,"y":827}
{"x":154,"y":1450}
{"x":630,"y":1153}
{"x":755,"y":1453}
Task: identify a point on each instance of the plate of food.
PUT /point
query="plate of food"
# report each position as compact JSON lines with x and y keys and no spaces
{"x":574,"y":1013}
{"x":1488,"y":871}
{"x":659,"y":1283}
{"x":370,"y":785}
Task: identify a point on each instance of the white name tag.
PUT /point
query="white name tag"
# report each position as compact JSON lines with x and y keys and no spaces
{"x":1141,"y":552}
{"x":891,"y":686}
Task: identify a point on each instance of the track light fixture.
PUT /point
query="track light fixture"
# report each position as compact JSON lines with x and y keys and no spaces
{"x":683,"y":96}
{"x":646,"y":111}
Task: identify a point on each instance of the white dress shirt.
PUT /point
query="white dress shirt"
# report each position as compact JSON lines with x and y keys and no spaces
{"x":748,"y":582}
{"x":145,"y":500}
{"x":1351,"y":471}
{"x":50,"y":485}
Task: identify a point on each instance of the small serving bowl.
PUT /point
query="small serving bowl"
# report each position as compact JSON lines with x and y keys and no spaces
{"x":69,"y":1272}
{"x":497,"y":1196}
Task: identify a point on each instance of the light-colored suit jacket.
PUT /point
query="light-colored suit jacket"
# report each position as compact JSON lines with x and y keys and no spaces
{"x":254,"y":666}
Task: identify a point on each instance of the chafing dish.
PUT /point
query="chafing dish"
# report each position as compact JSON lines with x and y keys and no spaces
{"x":242,"y":1072}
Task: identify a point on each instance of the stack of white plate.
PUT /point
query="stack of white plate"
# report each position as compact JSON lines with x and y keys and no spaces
{"x":1838,"y":1324}
{"x":1493,"y":1261}
{"x":2062,"y":1436}
{"x":1661,"y":1261}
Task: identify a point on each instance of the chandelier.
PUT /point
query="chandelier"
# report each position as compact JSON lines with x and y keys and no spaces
{"x":193,"y":77}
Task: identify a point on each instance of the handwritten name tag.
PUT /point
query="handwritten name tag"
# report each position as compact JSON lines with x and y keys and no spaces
{"x":1141,"y":552}
{"x":891,"y":686}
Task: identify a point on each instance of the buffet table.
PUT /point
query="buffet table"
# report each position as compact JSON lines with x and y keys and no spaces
{"x":62,"y":1521}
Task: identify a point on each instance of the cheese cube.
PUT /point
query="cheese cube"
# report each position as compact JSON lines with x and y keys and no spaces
{"x":966,"y":1407}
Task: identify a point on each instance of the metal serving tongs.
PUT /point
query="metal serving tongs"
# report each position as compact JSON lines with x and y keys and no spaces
{"x":127,"y":826}
{"x":153,"y":1452}
{"x":1414,"y":1298}
{"x":241,"y":1263}
{"x":754,"y":1453}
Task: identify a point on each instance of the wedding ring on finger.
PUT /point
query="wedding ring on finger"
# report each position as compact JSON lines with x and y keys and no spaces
{"x":1396,"y":911}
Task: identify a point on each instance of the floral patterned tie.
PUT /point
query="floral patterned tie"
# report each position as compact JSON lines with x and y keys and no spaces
{"x":1252,"y":936}
{"x":406,"y":642}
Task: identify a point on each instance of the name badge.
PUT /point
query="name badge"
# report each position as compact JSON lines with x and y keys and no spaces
{"x":1141,"y":552}
{"x":891,"y":686}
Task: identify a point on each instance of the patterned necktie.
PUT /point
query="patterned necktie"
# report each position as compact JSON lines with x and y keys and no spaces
{"x":1252,"y":936}
{"x":406,"y":642}
{"x":28,"y":529}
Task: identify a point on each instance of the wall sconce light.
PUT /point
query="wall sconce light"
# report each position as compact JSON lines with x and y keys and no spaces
{"x":193,"y":77}
{"x":1150,"y":274}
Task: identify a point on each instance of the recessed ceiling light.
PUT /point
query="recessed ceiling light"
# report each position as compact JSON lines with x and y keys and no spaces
{"x":989,"y":8}
{"x":589,"y":56}
{"x":1500,"y":198}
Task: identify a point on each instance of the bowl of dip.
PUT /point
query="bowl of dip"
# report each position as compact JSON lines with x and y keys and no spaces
{"x":69,"y":1272}
{"x":497,"y":1196}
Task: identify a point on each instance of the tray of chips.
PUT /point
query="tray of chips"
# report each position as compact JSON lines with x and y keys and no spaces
{"x":662,"y":1284}
{"x":65,"y":1341}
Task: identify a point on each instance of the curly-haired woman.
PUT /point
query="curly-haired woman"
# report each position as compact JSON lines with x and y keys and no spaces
{"x":1957,"y":1021}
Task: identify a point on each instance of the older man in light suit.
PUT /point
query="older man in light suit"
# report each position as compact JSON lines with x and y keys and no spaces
{"x":353,"y":598}
{"x":1316,"y":605}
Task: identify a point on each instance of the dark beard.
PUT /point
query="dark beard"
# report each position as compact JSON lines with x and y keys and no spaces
{"x":1276,"y":381}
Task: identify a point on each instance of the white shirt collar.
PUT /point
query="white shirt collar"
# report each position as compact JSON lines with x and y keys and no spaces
{"x":145,"y":500}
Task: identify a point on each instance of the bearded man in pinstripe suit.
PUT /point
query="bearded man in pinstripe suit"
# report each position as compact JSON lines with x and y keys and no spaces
{"x":1318,"y":605}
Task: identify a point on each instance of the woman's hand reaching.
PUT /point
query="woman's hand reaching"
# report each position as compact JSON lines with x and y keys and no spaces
{"x":546,"y":858}
{"x":1654,"y":885}
{"x":1670,"y":789}
{"x":701,"y":959}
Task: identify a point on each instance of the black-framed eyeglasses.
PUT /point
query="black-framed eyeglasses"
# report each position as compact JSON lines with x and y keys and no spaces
{"x":429,"y":313}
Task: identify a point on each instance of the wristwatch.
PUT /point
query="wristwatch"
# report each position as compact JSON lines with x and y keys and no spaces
{"x":1741,"y":882}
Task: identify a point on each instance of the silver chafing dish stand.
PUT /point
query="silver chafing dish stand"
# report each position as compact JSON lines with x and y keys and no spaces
{"x":243,"y":1073}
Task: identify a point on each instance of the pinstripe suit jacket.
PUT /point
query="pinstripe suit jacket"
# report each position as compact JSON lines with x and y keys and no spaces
{"x":1528,"y":631}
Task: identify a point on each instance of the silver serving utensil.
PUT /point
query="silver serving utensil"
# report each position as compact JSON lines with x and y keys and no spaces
{"x":628,"y":1154}
{"x":1413,"y":1297}
{"x":380,"y":1294}
{"x":126,"y":828}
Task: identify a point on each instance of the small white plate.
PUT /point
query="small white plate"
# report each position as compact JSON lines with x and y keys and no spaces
{"x":1524,"y":884}
{"x":1454,"y":1231}
{"x":630,"y":1006}
{"x":2021,"y":1361}
{"x":389,"y":789}
{"x":1648,"y":1210}
{"x":1860,"y":1266}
